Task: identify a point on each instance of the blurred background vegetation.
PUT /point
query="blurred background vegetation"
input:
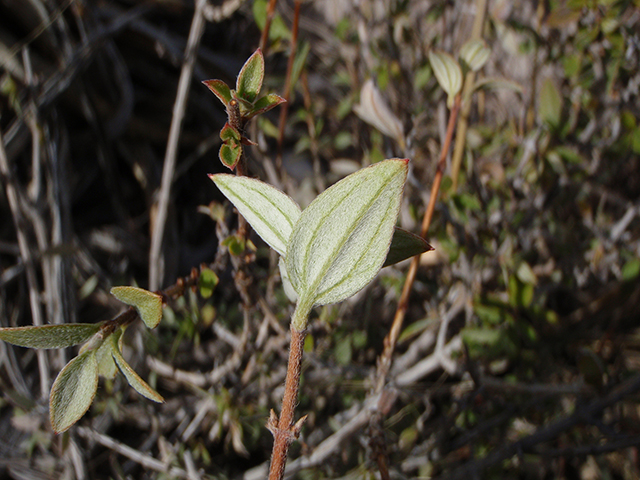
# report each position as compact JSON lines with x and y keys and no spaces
{"x":520,"y":350}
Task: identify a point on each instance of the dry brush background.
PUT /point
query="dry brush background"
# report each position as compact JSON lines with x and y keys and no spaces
{"x":520,"y":350}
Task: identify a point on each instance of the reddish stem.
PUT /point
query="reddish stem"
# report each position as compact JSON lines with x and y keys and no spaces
{"x":284,"y":430}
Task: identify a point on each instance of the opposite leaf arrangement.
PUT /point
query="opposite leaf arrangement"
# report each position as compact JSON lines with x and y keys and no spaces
{"x":329,"y":252}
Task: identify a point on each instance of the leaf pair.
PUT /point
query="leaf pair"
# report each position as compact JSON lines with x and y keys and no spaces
{"x":337,"y":245}
{"x":75,"y":386}
{"x":474,"y":54}
{"x":242,"y":104}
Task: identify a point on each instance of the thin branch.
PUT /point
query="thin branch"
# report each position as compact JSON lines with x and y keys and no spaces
{"x":384,"y":362}
{"x":271,"y":10}
{"x":156,"y":263}
{"x":25,"y":252}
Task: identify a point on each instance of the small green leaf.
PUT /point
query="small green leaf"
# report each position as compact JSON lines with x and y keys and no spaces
{"x":207,"y":282}
{"x":220,"y":90}
{"x":148,"y":304}
{"x":270,"y":212}
{"x":496,"y":82}
{"x":264,"y":104}
{"x":250,"y":77}
{"x":447,"y":72}
{"x":289,"y":291}
{"x":235,"y":244}
{"x":49,"y":336}
{"x":132,"y":377}
{"x":230,"y":134}
{"x":341,"y":240}
{"x":73,"y":391}
{"x":405,"y":245}
{"x":230,"y":155}
{"x":550,"y":103}
{"x":106,"y":366}
{"x":475,"y":54}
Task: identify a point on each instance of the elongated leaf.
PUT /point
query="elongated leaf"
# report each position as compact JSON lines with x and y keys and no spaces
{"x":250,"y":77}
{"x":341,"y":239}
{"x":49,"y":336}
{"x":374,"y":110}
{"x":264,"y":104}
{"x":550,"y":103}
{"x":447,"y":72}
{"x":270,"y":212}
{"x":495,"y":82}
{"x":73,"y":391}
{"x":220,"y":90}
{"x":132,"y":377}
{"x":148,"y":304}
{"x":289,"y":291}
{"x":405,"y":245}
{"x":106,"y":365}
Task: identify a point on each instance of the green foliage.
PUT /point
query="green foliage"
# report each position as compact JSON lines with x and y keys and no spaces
{"x":73,"y":391}
{"x":148,"y":304}
{"x":207,"y":282}
{"x":242,"y":104}
{"x":49,"y":336}
{"x":132,"y":377}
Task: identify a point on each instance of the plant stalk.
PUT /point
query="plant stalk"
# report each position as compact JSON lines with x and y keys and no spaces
{"x":284,"y":430}
{"x":384,"y":363}
{"x":470,"y":78}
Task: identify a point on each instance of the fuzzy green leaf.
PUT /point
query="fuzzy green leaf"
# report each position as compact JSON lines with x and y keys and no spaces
{"x":49,"y":336}
{"x":550,"y":103}
{"x":132,"y":377}
{"x":250,"y":77}
{"x":405,"y":245}
{"x":148,"y":304}
{"x":73,"y":391}
{"x":230,"y":155}
{"x":447,"y":72}
{"x":270,"y":212}
{"x":230,"y":134}
{"x":475,"y":54}
{"x":220,"y":90}
{"x":264,"y":104}
{"x":106,"y":365}
{"x":207,"y":282}
{"x":342,"y":238}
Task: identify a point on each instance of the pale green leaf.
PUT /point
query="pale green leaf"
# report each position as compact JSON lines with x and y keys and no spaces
{"x":550,"y":103}
{"x":49,"y":336}
{"x":148,"y":304}
{"x":132,"y":377}
{"x":447,"y":72}
{"x":250,"y":77}
{"x":73,"y":391}
{"x":496,"y":82}
{"x":342,"y":238}
{"x":270,"y":212}
{"x":106,"y":365}
{"x":289,"y":291}
{"x":475,"y":54}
